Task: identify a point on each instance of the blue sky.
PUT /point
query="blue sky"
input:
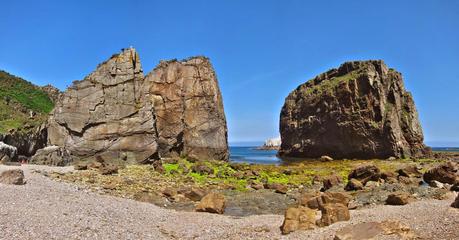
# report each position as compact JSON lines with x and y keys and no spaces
{"x":261,"y":50}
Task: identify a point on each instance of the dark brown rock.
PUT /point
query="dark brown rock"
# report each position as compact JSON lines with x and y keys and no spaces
{"x":14,"y":176}
{"x":316,"y":202}
{"x":365,"y":173}
{"x":444,"y":173}
{"x":399,"y":198}
{"x":360,"y":110}
{"x":195,"y":194}
{"x":455,"y":204}
{"x":353,"y":185}
{"x":213,"y":203}
{"x":300,"y":218}
{"x":108,"y":169}
{"x":410,"y":171}
{"x":277,"y":187}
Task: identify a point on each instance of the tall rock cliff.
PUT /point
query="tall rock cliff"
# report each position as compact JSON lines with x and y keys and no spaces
{"x":189,"y":109}
{"x":105,"y":116}
{"x":360,"y":110}
{"x":116,"y":114}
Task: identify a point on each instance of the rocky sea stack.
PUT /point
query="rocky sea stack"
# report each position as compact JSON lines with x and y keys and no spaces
{"x":360,"y":110}
{"x":116,"y":114}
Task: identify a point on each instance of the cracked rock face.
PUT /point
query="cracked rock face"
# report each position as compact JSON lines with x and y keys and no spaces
{"x":189,"y":111}
{"x":360,"y":110}
{"x":117,"y":114}
{"x":105,"y":116}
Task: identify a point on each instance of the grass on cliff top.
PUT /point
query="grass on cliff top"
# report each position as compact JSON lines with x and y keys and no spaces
{"x":17,"y":96}
{"x":135,"y":179}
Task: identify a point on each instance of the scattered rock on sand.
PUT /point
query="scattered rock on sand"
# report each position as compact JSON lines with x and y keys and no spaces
{"x":374,"y":230}
{"x":14,"y":176}
{"x":456,"y":202}
{"x":212,"y":203}
{"x":365,"y":173}
{"x":332,"y":181}
{"x":301,"y":218}
{"x":332,"y":213}
{"x":399,"y":198}
{"x":353,"y":185}
{"x":444,"y":173}
{"x":277,"y":187}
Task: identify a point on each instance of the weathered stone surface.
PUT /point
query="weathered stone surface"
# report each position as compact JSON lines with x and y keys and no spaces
{"x":399,"y":198}
{"x":332,"y":213}
{"x":116,"y":114}
{"x":189,"y":109}
{"x":53,"y":92}
{"x":277,"y":187}
{"x":317,"y":202}
{"x":444,"y":173}
{"x":106,"y":115}
{"x":213,"y":203}
{"x":375,"y":230}
{"x":29,"y":142}
{"x":410,"y":171}
{"x":360,"y":110}
{"x":300,"y":218}
{"x":14,"y":176}
{"x":52,"y":155}
{"x":7,"y":152}
{"x":365,"y":173}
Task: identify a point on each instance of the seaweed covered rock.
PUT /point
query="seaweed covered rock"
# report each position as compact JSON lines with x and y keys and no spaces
{"x":360,"y":110}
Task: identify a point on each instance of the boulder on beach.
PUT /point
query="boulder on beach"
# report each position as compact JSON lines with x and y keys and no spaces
{"x":359,"y":110}
{"x":7,"y":152}
{"x":13,"y":176}
{"x":301,"y":218}
{"x":212,"y":203}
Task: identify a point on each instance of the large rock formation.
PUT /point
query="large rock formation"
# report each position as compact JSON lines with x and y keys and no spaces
{"x":189,"y":109}
{"x":360,"y":110}
{"x":117,"y":115}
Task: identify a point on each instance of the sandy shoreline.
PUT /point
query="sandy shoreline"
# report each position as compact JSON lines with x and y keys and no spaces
{"x":46,"y":209}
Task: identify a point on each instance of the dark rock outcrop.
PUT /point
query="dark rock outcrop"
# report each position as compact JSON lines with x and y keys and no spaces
{"x":119,"y":116}
{"x":444,"y":173}
{"x":360,"y":110}
{"x":27,"y":142}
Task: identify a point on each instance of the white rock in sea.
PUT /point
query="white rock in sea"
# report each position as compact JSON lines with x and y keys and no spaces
{"x":273,"y":142}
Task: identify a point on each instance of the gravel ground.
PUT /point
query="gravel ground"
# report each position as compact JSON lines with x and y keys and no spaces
{"x":45,"y":209}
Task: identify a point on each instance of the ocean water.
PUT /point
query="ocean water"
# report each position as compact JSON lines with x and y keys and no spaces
{"x":247,"y":154}
{"x":252,"y":155}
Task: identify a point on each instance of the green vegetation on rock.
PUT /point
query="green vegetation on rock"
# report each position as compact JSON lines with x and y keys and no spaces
{"x":17,"y":98}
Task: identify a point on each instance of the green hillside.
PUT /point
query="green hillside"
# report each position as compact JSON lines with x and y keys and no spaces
{"x":17,"y":98}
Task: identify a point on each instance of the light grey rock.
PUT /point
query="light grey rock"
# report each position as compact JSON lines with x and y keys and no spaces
{"x":7,"y":152}
{"x":52,"y":155}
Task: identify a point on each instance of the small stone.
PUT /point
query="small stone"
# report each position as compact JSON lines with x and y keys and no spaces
{"x":436,"y":184}
{"x":195,"y":194}
{"x":201,"y":168}
{"x":410,"y":171}
{"x":212,"y":203}
{"x":353,"y":185}
{"x":80,"y":166}
{"x":14,"y":177}
{"x":444,"y":173}
{"x":405,"y":180}
{"x":169,"y":192}
{"x":326,"y":159}
{"x":399,"y":198}
{"x":455,"y":187}
{"x":277,"y":187}
{"x":300,"y":218}
{"x":256,"y":186}
{"x":365,"y":173}
{"x":108,"y":169}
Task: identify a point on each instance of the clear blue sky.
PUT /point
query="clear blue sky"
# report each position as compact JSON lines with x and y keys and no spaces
{"x":261,"y":50}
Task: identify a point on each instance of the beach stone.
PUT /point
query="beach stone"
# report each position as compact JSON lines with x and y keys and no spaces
{"x":353,"y":185}
{"x":365,"y":173}
{"x":326,"y":158}
{"x":332,"y":213}
{"x":300,"y":218}
{"x":444,"y":173}
{"x":399,"y":198}
{"x":374,"y":230}
{"x":14,"y":177}
{"x":317,"y":202}
{"x":195,"y":194}
{"x":52,"y":156}
{"x":201,"y":168}
{"x":108,"y":169}
{"x":212,"y":203}
{"x":436,"y":184}
{"x":277,"y":187}
{"x":455,"y":204}
{"x":350,"y":112}
{"x":410,"y":171}
{"x":332,"y":181}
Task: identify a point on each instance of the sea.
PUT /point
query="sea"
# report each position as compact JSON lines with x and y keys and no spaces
{"x":251,"y":155}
